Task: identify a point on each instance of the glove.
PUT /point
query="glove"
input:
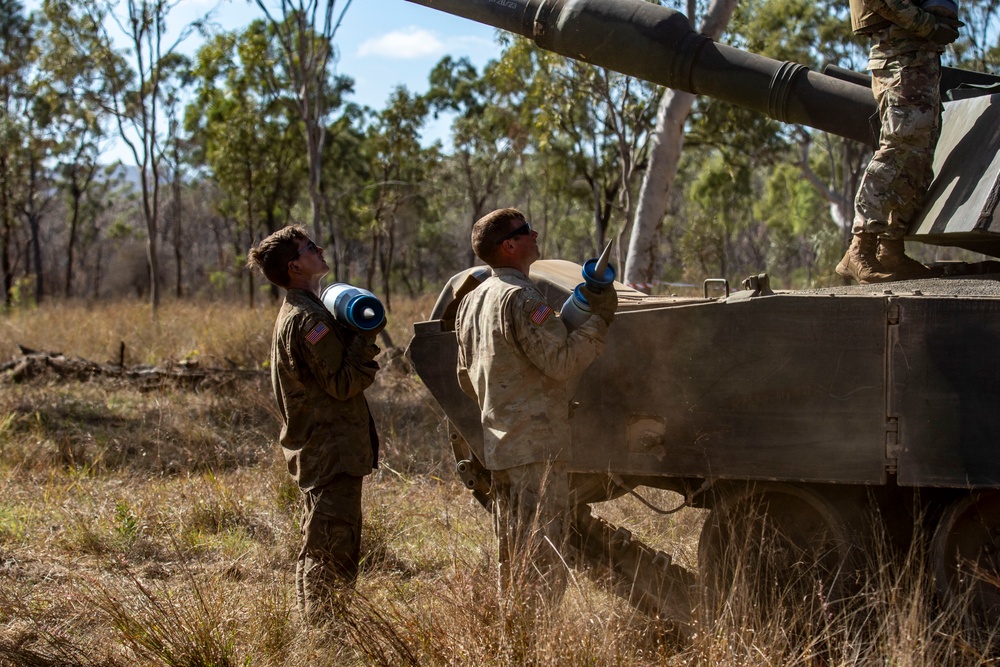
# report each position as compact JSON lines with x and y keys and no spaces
{"x":373,"y":333}
{"x":603,"y":303}
{"x":945,"y":30}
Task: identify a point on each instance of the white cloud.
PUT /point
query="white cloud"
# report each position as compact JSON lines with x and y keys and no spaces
{"x":407,"y":44}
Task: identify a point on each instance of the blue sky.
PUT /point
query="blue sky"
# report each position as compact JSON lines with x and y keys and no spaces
{"x":382,"y":43}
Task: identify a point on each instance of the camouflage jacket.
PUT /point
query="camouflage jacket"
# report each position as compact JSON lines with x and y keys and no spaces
{"x":898,"y":27}
{"x":319,"y":371}
{"x":516,"y":358}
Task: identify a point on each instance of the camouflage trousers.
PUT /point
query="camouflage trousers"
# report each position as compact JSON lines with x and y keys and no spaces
{"x":531,"y":519}
{"x":331,"y":547}
{"x":896,"y":180}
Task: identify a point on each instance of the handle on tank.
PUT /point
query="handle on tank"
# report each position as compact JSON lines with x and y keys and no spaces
{"x":354,"y":307}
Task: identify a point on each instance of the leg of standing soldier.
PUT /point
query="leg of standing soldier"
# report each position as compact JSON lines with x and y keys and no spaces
{"x":503,"y":526}
{"x":860,"y":262}
{"x":899,"y":173}
{"x":913,"y":97}
{"x":896,"y":180}
{"x":536,"y":523}
{"x":331,"y":547}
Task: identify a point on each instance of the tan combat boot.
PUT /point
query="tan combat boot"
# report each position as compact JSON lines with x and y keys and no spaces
{"x":893,"y":258}
{"x":861,"y":264}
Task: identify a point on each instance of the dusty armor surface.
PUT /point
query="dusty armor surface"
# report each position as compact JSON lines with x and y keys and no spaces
{"x":810,"y":408}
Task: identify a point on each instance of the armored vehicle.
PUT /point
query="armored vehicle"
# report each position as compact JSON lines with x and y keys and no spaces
{"x":819,"y":413}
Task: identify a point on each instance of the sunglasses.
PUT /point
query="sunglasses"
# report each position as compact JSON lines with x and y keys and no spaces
{"x":523,"y":230}
{"x":309,"y":247}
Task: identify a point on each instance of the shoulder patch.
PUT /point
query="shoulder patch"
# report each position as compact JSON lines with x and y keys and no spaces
{"x":540,"y":314}
{"x":316,"y":334}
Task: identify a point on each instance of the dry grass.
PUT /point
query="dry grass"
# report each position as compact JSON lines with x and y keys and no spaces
{"x":159,"y":528}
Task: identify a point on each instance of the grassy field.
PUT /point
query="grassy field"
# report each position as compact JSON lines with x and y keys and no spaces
{"x":155,"y":525}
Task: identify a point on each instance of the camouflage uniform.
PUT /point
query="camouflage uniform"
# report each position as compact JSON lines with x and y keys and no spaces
{"x":516,"y":358}
{"x":906,"y":71}
{"x":319,"y":371}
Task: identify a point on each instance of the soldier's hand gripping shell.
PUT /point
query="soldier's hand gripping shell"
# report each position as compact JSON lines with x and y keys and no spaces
{"x":603,"y":303}
{"x":945,"y":31}
{"x":371,"y":335}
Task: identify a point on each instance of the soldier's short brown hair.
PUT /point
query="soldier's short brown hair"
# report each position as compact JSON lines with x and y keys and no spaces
{"x":490,"y":229}
{"x":273,"y":254}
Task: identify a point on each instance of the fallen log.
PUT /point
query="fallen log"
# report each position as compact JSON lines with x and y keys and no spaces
{"x":38,"y":363}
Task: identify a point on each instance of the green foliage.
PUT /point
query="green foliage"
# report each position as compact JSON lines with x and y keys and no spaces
{"x":244,"y":126}
{"x":810,"y":33}
{"x":22,"y":293}
{"x":13,"y":525}
{"x":790,"y":205}
{"x":126,"y":524}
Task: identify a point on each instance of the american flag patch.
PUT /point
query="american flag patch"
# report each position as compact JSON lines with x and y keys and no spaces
{"x":541,"y":314}
{"x":317,"y":333}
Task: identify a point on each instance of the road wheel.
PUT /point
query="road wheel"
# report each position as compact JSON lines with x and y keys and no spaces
{"x":772,"y":545}
{"x":966,"y":553}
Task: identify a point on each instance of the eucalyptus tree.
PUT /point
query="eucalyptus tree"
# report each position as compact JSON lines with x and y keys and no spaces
{"x":666,"y":144}
{"x":978,"y":45}
{"x":176,"y":151}
{"x":540,"y":175}
{"x":397,"y":199}
{"x":15,"y":41}
{"x":720,"y":228}
{"x":72,"y":92}
{"x":593,"y":119}
{"x":245,"y":129}
{"x":484,"y":139}
{"x":305,"y":30}
{"x":794,"y":214}
{"x":349,"y":178}
{"x":39,"y":145}
{"x":808,"y":32}
{"x":139,"y":79}
{"x":815,"y":35}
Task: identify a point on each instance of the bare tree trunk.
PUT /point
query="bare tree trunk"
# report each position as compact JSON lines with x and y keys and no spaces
{"x":6,"y":239}
{"x":78,"y":186}
{"x":307,"y":44}
{"x":33,"y":213}
{"x":6,"y":232}
{"x":664,"y":157}
{"x":178,"y":221}
{"x":74,"y":222}
{"x":666,"y":146}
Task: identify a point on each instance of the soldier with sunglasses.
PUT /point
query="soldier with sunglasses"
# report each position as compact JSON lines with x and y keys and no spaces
{"x":519,"y":361}
{"x":319,"y":371}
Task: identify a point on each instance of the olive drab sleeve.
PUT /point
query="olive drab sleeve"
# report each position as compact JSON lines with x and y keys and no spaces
{"x":543,"y":337}
{"x":342,"y":371}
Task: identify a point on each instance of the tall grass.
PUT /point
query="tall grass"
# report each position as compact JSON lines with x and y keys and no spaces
{"x":159,"y":527}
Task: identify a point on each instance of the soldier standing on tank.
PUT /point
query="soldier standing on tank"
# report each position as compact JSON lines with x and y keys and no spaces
{"x":319,"y":371}
{"x":905,"y":62}
{"x":519,"y":361}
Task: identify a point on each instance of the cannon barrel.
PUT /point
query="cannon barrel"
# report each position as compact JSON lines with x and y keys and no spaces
{"x":659,"y":45}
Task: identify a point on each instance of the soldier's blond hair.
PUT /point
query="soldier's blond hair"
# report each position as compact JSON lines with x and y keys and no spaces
{"x":273,"y":254}
{"x":492,"y":227}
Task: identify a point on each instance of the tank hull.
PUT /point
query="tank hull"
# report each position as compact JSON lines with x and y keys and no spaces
{"x":847,"y":385}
